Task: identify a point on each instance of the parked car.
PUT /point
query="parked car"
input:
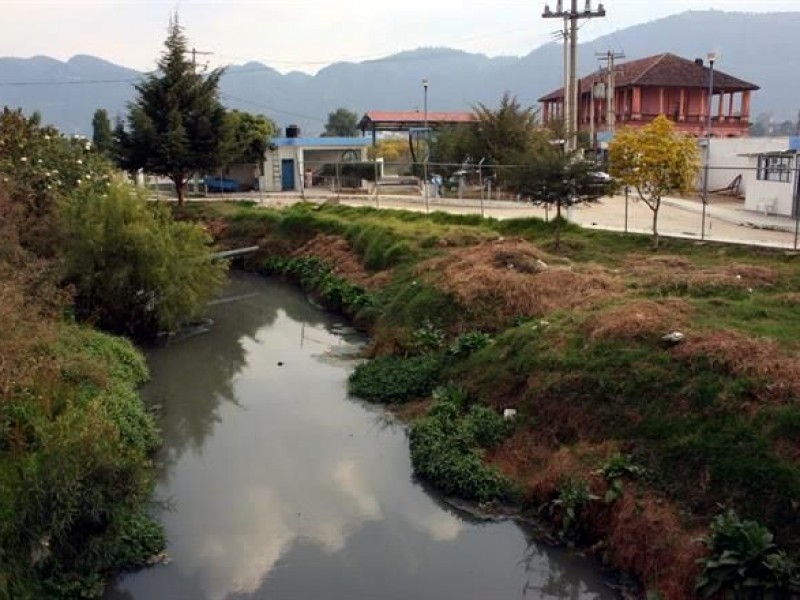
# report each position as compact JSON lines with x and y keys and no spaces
{"x":220,"y":184}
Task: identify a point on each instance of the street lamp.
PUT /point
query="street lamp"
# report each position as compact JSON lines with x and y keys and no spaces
{"x":427,"y":146}
{"x":712,"y":58}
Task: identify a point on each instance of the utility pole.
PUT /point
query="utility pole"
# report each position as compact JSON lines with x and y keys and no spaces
{"x":572,"y":16}
{"x":195,"y":53}
{"x":611,"y":71}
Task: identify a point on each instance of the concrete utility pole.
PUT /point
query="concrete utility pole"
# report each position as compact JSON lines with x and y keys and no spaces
{"x":611,"y":71}
{"x":572,"y":16}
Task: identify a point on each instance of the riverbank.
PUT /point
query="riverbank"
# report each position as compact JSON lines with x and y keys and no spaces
{"x":629,"y":443}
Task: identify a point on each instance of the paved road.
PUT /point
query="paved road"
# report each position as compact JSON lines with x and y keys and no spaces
{"x":726,"y":218}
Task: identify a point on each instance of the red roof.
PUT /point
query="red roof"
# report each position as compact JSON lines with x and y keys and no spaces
{"x":405,"y":118}
{"x":663,"y":70}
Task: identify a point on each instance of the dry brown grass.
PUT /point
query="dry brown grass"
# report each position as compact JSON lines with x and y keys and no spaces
{"x":742,"y":355}
{"x":646,"y":536}
{"x":643,"y":534}
{"x":336,"y":251}
{"x":675,"y":271}
{"x":507,"y":278}
{"x":640,"y":319}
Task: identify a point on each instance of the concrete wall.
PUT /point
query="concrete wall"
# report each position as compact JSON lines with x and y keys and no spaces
{"x":729,"y":158}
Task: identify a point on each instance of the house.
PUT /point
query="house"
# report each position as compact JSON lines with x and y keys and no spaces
{"x":664,"y":84}
{"x":293,"y":162}
{"x":773,"y":184}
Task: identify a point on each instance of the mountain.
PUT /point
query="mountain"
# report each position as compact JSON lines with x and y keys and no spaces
{"x":67,"y":93}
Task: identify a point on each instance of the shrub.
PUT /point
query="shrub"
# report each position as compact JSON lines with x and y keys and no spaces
{"x":745,"y":562}
{"x":135,"y":269}
{"x":427,"y":338}
{"x":568,"y":508}
{"x":394,"y":380}
{"x":485,"y":426}
{"x":468,"y":343}
{"x":443,"y":453}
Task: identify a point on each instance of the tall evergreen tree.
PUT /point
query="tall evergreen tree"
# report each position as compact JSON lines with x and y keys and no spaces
{"x":177,"y":124}
{"x":102,"y":136}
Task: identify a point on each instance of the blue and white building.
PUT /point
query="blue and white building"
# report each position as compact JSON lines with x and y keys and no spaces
{"x":292,"y":163}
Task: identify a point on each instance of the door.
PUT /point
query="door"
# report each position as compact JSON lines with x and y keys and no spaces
{"x":287,"y":175}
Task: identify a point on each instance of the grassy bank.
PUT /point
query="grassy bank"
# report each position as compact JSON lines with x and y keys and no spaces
{"x":630,"y":444}
{"x":75,"y":442}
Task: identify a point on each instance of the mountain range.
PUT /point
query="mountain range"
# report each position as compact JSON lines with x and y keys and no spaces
{"x":756,"y":47}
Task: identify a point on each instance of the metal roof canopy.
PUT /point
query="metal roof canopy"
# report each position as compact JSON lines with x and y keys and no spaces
{"x":375,"y":121}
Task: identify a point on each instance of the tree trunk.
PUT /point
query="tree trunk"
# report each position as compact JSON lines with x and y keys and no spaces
{"x":558,"y":225}
{"x":657,"y":205}
{"x":180,"y":190}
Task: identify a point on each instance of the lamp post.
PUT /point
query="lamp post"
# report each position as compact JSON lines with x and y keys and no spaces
{"x":712,"y":58}
{"x":427,"y":146}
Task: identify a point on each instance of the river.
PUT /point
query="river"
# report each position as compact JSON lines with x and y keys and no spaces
{"x":277,"y":485}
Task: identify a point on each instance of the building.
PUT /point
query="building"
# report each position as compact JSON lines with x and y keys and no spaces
{"x":773,"y":181}
{"x":292,"y":162}
{"x":664,"y":84}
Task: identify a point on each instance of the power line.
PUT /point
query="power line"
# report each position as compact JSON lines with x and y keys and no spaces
{"x":277,"y":110}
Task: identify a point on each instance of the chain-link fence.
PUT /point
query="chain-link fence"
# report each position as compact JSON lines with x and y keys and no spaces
{"x":755,"y":204}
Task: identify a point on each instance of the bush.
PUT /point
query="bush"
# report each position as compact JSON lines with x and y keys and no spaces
{"x":394,"y":380}
{"x":744,"y":560}
{"x":315,"y":276}
{"x":468,"y":343}
{"x":443,"y":453}
{"x":135,"y":269}
{"x":568,"y":508}
{"x":485,"y":426}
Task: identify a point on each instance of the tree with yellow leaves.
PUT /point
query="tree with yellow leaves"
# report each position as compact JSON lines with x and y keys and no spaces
{"x":655,"y":161}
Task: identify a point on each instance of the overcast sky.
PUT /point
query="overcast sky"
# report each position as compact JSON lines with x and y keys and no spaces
{"x":305,"y":35}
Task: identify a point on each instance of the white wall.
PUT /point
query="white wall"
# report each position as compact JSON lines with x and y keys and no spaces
{"x":298,"y":154}
{"x":729,"y":158}
{"x":772,"y":197}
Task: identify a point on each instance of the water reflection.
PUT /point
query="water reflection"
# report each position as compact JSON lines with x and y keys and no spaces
{"x":291,"y":490}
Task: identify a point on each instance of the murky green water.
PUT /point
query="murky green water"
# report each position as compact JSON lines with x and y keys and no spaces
{"x":282,"y":487}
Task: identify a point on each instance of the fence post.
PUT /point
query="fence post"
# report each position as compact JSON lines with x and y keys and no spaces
{"x":627,"y":190}
{"x":338,"y":184}
{"x":377,"y":199}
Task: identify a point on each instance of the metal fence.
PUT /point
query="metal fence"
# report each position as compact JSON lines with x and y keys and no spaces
{"x":755,"y":204}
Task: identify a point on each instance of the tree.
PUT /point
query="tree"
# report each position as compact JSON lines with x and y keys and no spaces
{"x":552,"y":178}
{"x":457,"y":144}
{"x":341,"y":123}
{"x":247,"y":137}
{"x":135,"y":270}
{"x":177,"y":125}
{"x":102,"y":135}
{"x":507,"y":131}
{"x":654,"y":161}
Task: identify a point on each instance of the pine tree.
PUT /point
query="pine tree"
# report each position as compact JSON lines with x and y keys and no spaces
{"x":177,"y":124}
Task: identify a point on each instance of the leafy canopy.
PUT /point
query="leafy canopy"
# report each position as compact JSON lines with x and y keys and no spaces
{"x":247,"y":137}
{"x":341,"y":123}
{"x":654,"y":160}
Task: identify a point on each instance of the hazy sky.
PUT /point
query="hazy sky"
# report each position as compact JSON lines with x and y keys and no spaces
{"x":307,"y":34}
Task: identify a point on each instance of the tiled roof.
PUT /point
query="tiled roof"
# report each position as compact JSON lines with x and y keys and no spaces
{"x":663,"y":70}
{"x":416,"y":117}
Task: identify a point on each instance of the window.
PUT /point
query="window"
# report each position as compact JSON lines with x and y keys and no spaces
{"x":775,"y":167}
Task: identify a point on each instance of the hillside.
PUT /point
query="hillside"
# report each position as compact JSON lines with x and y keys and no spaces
{"x":68,"y":93}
